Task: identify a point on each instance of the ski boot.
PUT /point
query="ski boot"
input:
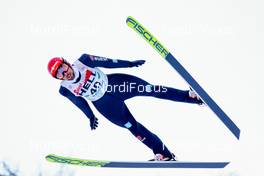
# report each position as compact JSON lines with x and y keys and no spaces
{"x":160,"y":157}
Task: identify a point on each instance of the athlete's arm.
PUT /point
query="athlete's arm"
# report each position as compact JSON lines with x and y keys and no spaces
{"x":82,"y":104}
{"x":97,"y":61}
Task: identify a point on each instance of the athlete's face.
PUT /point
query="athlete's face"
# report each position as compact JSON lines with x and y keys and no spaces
{"x":65,"y":72}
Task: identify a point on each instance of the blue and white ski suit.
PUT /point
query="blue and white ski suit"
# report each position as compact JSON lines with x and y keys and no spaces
{"x":108,"y":93}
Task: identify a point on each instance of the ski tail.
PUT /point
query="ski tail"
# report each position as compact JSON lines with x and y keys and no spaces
{"x":164,"y":52}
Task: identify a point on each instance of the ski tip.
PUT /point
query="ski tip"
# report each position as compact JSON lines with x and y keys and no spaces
{"x":75,"y":161}
{"x":47,"y":157}
{"x":50,"y":157}
{"x":129,"y":17}
{"x":130,"y":21}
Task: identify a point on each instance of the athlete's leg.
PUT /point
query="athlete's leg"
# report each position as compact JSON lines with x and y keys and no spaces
{"x":128,"y":86}
{"x":116,"y":111}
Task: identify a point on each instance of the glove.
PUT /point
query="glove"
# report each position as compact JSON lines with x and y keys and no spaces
{"x":137,"y":63}
{"x":93,"y":123}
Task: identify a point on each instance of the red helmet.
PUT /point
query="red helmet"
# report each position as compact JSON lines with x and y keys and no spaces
{"x":54,"y":65}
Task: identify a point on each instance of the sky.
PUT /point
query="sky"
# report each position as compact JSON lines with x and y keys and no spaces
{"x":219,"y":42}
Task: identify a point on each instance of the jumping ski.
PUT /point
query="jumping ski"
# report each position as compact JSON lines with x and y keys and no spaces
{"x":134,"y":164}
{"x":144,"y":33}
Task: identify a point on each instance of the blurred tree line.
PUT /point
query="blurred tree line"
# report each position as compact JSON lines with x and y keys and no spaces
{"x":8,"y":170}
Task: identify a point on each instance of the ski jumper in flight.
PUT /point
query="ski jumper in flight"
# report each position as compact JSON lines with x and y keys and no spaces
{"x":83,"y":81}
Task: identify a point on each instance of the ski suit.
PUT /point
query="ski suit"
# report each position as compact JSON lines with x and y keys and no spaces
{"x":108,"y":93}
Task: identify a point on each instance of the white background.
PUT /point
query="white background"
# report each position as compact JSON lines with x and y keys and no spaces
{"x":219,"y":42}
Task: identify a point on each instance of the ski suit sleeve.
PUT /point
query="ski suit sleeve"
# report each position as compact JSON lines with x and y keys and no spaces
{"x":80,"y":102}
{"x":97,"y":61}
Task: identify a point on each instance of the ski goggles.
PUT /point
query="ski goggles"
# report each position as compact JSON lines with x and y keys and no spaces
{"x":62,"y":70}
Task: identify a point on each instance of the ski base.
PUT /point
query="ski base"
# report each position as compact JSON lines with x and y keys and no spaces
{"x":134,"y":164}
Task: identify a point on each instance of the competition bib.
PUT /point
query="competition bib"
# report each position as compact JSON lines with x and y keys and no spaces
{"x":90,"y":83}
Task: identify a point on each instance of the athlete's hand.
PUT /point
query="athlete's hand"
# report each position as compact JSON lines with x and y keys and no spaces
{"x":93,"y":123}
{"x":137,"y":63}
